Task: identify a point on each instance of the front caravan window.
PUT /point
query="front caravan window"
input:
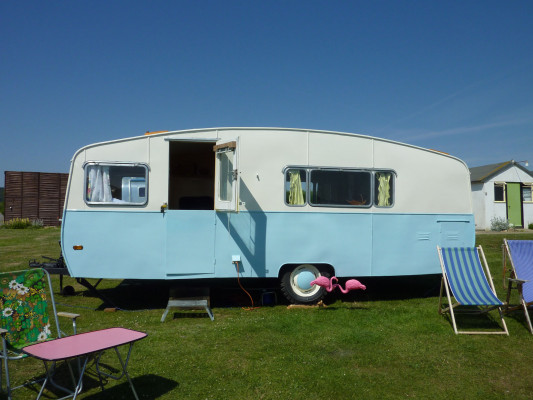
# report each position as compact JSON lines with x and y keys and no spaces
{"x":116,"y":184}
{"x":340,"y":188}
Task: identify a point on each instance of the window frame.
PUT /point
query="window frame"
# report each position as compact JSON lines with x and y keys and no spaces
{"x":115,"y":164}
{"x":308,"y":169}
{"x":393,"y":191}
{"x":524,"y":185}
{"x":504,"y":189}
{"x":306,"y":191}
{"x":227,"y":147}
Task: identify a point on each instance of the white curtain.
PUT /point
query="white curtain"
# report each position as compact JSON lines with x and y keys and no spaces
{"x":98,"y":185}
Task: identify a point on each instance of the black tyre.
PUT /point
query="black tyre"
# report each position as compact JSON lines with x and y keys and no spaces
{"x":68,"y":291}
{"x":296,"y":284}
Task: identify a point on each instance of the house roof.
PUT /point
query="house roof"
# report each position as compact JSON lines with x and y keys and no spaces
{"x":485,"y":172}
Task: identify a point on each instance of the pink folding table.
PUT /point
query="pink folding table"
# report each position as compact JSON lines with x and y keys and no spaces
{"x":83,"y":346}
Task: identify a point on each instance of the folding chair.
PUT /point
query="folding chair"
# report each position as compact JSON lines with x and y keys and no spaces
{"x":520,"y":254}
{"x":465,"y":279}
{"x":28,"y":316}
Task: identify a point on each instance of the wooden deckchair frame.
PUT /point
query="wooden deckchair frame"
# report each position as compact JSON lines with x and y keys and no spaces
{"x":518,"y":285}
{"x":454,"y":307}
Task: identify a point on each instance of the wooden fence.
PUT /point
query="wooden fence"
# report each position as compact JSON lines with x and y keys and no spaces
{"x":35,"y":195}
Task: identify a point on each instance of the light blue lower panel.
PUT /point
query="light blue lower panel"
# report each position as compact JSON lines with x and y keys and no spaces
{"x":407,"y":244}
{"x":195,"y":244}
{"x":116,"y":245}
{"x":267,"y":241}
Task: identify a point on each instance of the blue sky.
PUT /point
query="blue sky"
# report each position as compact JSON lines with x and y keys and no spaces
{"x":449,"y":75}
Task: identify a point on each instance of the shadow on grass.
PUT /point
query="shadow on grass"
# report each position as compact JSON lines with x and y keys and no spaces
{"x":147,"y":387}
{"x":519,"y":317}
{"x":391,"y":288}
{"x":148,"y":294}
{"x":472,"y":321}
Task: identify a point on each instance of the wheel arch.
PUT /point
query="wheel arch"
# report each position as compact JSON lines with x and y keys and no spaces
{"x":321,"y":267}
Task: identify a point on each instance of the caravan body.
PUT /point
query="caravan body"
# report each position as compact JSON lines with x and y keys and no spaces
{"x":281,"y":202}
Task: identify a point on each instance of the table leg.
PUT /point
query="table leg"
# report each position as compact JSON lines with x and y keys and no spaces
{"x":50,"y":378}
{"x":124,"y":366}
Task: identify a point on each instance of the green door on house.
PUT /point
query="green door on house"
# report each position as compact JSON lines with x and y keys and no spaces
{"x":514,"y":204}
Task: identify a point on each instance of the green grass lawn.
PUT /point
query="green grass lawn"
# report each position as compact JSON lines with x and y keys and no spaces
{"x":388,"y":342}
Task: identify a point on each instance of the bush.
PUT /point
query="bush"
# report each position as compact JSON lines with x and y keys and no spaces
{"x":530,"y":226}
{"x":17,"y":223}
{"x":37,"y":223}
{"x":499,"y":224}
{"x":23,"y":223}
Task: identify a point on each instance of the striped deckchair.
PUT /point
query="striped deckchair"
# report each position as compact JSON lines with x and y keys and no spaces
{"x":465,"y":280}
{"x":520,"y":255}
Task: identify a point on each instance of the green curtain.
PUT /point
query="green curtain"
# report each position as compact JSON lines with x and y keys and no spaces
{"x":384,"y":189}
{"x":296,"y":195}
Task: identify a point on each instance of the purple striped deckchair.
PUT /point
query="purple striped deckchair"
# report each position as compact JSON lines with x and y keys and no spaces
{"x":520,"y":254}
{"x":466,"y":281}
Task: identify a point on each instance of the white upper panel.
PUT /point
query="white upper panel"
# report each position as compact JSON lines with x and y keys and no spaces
{"x":426,"y":181}
{"x":340,"y":150}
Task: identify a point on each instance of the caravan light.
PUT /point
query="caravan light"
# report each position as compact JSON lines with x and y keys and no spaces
{"x":77,"y":247}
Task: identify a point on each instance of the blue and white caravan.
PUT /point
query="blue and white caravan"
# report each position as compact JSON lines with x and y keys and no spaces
{"x":291,"y":204}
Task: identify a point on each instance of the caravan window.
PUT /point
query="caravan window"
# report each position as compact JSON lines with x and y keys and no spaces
{"x":296,"y":187}
{"x":344,"y":188}
{"x":117,"y":184}
{"x":226,"y":175}
{"x":383,"y":189}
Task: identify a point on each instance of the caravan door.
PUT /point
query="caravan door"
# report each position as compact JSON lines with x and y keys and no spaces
{"x":226,"y":176}
{"x":190,"y":216}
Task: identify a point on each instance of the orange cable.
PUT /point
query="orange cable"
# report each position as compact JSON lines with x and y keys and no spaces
{"x":244,"y":290}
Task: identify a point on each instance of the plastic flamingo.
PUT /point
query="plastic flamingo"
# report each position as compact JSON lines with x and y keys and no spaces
{"x":325,"y":282}
{"x":351,"y":284}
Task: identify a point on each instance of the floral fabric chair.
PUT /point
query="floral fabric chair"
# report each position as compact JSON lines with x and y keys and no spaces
{"x":27,"y":316}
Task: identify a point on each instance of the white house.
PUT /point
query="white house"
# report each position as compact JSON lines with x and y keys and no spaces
{"x":502,"y":190}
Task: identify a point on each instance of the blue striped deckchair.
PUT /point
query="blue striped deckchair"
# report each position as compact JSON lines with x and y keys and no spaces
{"x":465,"y":279}
{"x":520,"y":254}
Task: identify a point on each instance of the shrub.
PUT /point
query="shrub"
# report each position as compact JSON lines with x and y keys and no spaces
{"x":530,"y":226}
{"x":23,"y":223}
{"x":37,"y":223}
{"x":17,"y":223}
{"x":499,"y":224}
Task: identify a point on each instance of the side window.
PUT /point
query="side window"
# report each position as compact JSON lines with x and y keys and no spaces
{"x":120,"y":184}
{"x":295,"y":187}
{"x":340,"y":188}
{"x":499,"y":192}
{"x":383,"y":189}
{"x":527,"y":192}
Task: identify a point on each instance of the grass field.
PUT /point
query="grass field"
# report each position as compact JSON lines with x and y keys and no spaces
{"x":388,"y":342}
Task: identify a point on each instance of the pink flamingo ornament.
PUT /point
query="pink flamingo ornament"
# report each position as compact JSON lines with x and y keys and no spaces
{"x":352,"y":284}
{"x":325,"y":282}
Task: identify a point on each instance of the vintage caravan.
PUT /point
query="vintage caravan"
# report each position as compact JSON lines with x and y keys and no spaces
{"x":273,"y":203}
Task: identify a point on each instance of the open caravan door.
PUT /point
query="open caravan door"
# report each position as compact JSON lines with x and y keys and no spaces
{"x":226,"y":176}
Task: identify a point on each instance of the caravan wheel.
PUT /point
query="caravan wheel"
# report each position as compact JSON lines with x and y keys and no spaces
{"x":296,"y":284}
